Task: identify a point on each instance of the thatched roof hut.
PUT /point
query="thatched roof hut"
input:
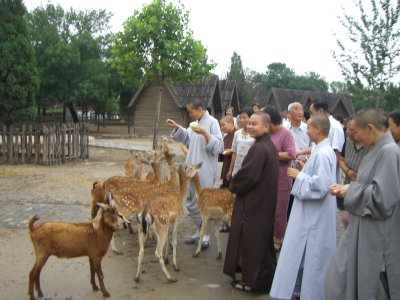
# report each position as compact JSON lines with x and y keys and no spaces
{"x":229,"y":95}
{"x":175,"y":97}
{"x":339,"y":104}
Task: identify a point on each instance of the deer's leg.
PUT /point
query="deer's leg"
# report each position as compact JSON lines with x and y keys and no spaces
{"x":142,"y":239}
{"x":114,"y":248}
{"x":166,"y":248}
{"x":204,"y":221}
{"x":174,"y":244}
{"x":216,"y":231}
{"x":162,"y":237}
{"x":100,"y":277}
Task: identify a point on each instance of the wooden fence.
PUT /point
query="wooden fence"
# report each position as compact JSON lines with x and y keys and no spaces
{"x":46,"y":144}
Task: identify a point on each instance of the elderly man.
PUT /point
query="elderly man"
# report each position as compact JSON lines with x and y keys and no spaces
{"x":298,"y":129}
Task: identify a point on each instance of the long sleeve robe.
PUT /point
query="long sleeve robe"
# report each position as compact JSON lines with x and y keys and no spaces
{"x":251,"y":229}
{"x":311,"y":229}
{"x":200,"y":150}
{"x":371,"y":242}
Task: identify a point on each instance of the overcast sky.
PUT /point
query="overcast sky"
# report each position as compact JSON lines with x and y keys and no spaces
{"x":298,"y":33}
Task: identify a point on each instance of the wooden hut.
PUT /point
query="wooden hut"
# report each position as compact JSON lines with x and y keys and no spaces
{"x":175,"y":97}
{"x":229,"y":95}
{"x":339,"y":104}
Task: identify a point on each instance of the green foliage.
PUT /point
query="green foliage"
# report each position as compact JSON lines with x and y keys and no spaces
{"x":72,"y":48}
{"x":156,"y":43}
{"x":18,"y":75}
{"x":370,"y":54}
{"x":236,"y":73}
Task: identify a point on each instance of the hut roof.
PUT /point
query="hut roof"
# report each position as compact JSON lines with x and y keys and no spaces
{"x":206,"y":90}
{"x":229,"y":94}
{"x":284,"y":97}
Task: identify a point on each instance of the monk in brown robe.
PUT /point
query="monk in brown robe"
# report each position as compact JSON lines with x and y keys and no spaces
{"x":250,"y":248}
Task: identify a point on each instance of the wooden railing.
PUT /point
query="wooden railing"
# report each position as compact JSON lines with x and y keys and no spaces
{"x":45,"y":144}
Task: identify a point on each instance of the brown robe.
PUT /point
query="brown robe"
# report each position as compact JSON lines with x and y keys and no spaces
{"x":256,"y":186}
{"x":226,"y":159}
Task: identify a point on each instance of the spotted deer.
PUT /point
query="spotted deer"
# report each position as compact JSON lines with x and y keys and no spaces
{"x":165,"y":210}
{"x":215,"y":204}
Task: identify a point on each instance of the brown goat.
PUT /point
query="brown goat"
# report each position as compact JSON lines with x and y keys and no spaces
{"x":67,"y":240}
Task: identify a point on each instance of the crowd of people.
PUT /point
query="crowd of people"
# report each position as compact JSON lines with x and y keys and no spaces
{"x":290,"y":173}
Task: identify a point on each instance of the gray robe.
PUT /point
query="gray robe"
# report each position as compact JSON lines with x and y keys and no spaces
{"x":201,"y":151}
{"x":371,"y":243}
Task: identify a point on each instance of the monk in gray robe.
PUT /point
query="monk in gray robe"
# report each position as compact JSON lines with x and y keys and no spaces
{"x":204,"y":139}
{"x":250,"y":248}
{"x":367,"y":261}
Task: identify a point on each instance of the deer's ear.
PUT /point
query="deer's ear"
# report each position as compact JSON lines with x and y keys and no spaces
{"x":199,"y":165}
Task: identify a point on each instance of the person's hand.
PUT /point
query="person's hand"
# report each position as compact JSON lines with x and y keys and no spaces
{"x":292,"y":172}
{"x":171,"y":123}
{"x":338,"y":190}
{"x":227,"y":152}
{"x":352,"y":175}
{"x":229,"y":175}
{"x":300,"y":164}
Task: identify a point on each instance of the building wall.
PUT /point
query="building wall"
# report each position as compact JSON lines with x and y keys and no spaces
{"x":145,"y":111}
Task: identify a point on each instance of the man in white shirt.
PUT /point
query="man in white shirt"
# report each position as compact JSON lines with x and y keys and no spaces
{"x":336,"y":133}
{"x":298,"y":129}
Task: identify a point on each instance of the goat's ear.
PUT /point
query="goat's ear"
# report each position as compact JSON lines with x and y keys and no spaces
{"x":123,"y":218}
{"x":102,"y":206}
{"x":96,"y":221}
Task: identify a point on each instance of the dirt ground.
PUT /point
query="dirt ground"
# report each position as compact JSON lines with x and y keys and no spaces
{"x":63,"y":192}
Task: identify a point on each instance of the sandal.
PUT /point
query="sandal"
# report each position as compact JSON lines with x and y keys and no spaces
{"x":242,"y":287}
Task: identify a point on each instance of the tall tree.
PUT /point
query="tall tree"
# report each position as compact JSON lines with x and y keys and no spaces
{"x":236,"y":73}
{"x":157,"y":44}
{"x":18,"y":75}
{"x":71,"y":49}
{"x":370,"y":55}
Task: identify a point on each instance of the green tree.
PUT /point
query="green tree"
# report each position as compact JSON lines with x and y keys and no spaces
{"x":236,"y":73}
{"x":18,"y":75}
{"x":370,"y":54}
{"x":310,"y":82}
{"x":157,"y":44}
{"x":72,"y":48}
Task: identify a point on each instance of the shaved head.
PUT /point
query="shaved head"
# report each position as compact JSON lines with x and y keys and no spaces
{"x":265,"y":119}
{"x":321,"y":121}
{"x":370,"y":116}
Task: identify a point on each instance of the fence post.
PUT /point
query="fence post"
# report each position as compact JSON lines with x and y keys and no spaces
{"x":29,"y":148}
{"x":4,"y":144}
{"x":10,"y":145}
{"x":63,"y":133}
{"x":23,"y":144}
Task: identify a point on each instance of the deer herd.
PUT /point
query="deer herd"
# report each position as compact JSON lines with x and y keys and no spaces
{"x":152,"y":195}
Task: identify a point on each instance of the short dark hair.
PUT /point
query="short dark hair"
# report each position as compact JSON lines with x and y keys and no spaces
{"x":247,"y":110}
{"x":274,"y":114}
{"x":395,"y":116}
{"x":339,"y":118}
{"x":307,"y":115}
{"x":196,"y":103}
{"x":321,"y":104}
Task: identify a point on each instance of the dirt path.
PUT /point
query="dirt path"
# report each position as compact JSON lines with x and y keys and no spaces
{"x":62,"y":192}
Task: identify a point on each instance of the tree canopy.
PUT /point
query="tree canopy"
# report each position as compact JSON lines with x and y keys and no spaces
{"x":18,"y":75}
{"x":369,"y":56}
{"x":156,"y":44}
